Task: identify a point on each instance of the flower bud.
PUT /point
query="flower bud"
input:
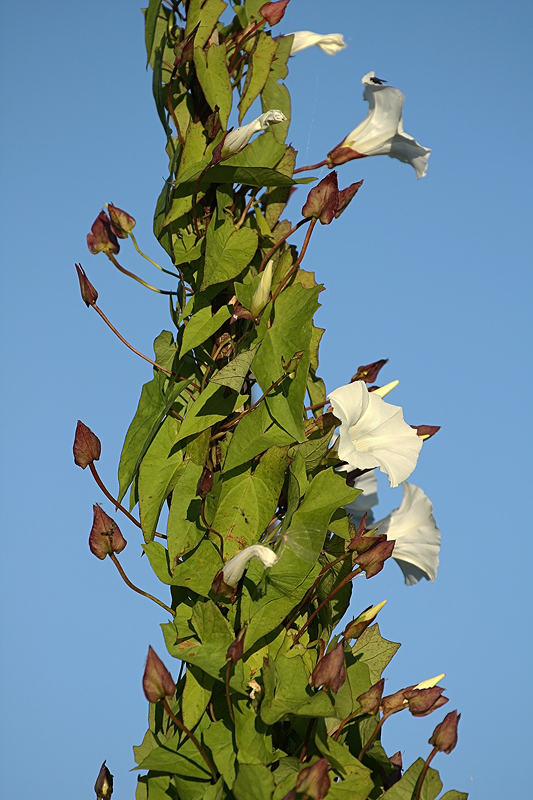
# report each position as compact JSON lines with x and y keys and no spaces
{"x":383,"y":391}
{"x":157,"y":680}
{"x":262,"y":293}
{"x":346,"y":196}
{"x":105,"y":536}
{"x":121,"y":222}
{"x":240,"y":312}
{"x":426,"y":431}
{"x":89,"y":295}
{"x":104,"y":784}
{"x":373,"y":560}
{"x":323,"y":199}
{"x":101,"y":239}
{"x":393,"y":703}
{"x":370,"y":701}
{"x":274,"y":12}
{"x":290,"y":366}
{"x":362,"y":542}
{"x":314,"y":781}
{"x":355,"y":628}
{"x":205,"y":484}
{"x":423,"y":701}
{"x":86,"y":447}
{"x":444,"y":737}
{"x":236,"y":648}
{"x":330,"y":672}
{"x":369,"y":372}
{"x":233,"y":570}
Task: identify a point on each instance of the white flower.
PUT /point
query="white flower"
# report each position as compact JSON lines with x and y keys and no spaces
{"x":262,"y":293}
{"x":330,"y":43}
{"x":233,"y":571}
{"x":373,"y":433}
{"x":239,"y":138}
{"x":364,"y":502}
{"x":381,"y":133}
{"x":431,"y":682}
{"x":415,"y":532}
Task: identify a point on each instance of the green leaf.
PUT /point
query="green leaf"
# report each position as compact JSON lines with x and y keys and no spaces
{"x":210,"y":407}
{"x":287,"y":691}
{"x":327,"y":491}
{"x":205,"y":12}
{"x":253,"y":435}
{"x":212,"y":74}
{"x":252,"y":738}
{"x":375,"y":651}
{"x":265,"y":151}
{"x":227,"y":251}
{"x":234,"y":373}
{"x":201,"y":326}
{"x":196,"y":696}
{"x":258,"y":71}
{"x":183,"y":527}
{"x":165,"y":349}
{"x":345,"y":765}
{"x":157,"y":472}
{"x":219,"y":739}
{"x":275,"y":94}
{"x":276,"y":199}
{"x":453,"y":794}
{"x":253,"y":782}
{"x":155,"y":787}
{"x":185,"y":762}
{"x":353,"y":787}
{"x":150,"y":25}
{"x":406,"y":786}
{"x":157,"y":85}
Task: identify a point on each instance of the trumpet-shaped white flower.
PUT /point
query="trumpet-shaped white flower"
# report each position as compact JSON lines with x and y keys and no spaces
{"x":363,"y":503}
{"x":373,"y":433}
{"x":330,"y":43}
{"x":413,"y":528}
{"x":381,"y":133}
{"x":239,"y":138}
{"x":233,"y":570}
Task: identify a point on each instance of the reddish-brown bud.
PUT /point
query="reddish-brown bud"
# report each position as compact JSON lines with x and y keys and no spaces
{"x":240,"y":312}
{"x":346,"y":196}
{"x":373,"y":560}
{"x":101,"y":239}
{"x":340,"y":155}
{"x":274,"y":12}
{"x":393,"y":703}
{"x":104,"y":784}
{"x":121,"y":222}
{"x":444,"y":737}
{"x":205,"y":484}
{"x":314,"y":781}
{"x":423,"y":701}
{"x":361,"y":542}
{"x":86,"y":447}
{"x":323,"y":199}
{"x":370,"y":701}
{"x":426,"y":431}
{"x":236,"y":648}
{"x":330,"y":672}
{"x":89,"y":295}
{"x":157,"y":680}
{"x":369,"y":372}
{"x":105,"y":536}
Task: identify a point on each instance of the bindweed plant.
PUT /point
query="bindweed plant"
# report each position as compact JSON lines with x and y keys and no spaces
{"x":270,"y":522}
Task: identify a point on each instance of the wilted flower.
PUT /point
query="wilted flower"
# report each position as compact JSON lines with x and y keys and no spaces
{"x":355,"y":628}
{"x":370,"y":701}
{"x":417,"y":539}
{"x":381,"y":133}
{"x":262,"y":293}
{"x":314,"y":781}
{"x":121,"y":222}
{"x":274,"y":12}
{"x":89,"y":295}
{"x":105,"y":536}
{"x":330,"y":672}
{"x":101,"y":239}
{"x":365,"y":501}
{"x":239,"y":138}
{"x":330,"y":43}
{"x":86,"y":447}
{"x":373,"y":433}
{"x":233,"y":570}
{"x":157,"y":680}
{"x":444,"y":737}
{"x":104,"y":784}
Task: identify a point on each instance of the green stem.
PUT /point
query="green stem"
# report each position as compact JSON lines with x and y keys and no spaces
{"x":115,"y":502}
{"x":126,"y":580}
{"x":134,"y":240}
{"x":330,"y":596}
{"x":112,"y":258}
{"x":423,"y":774}
{"x":283,"y":239}
{"x":191,"y":736}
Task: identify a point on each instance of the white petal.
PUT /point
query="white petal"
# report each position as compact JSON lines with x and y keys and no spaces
{"x":330,"y":43}
{"x":415,"y":532}
{"x":374,"y":135}
{"x":407,"y":149}
{"x":364,"y":502}
{"x":233,"y":570}
{"x":239,"y":138}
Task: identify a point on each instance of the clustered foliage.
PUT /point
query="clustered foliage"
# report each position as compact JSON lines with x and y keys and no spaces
{"x":271,"y":704}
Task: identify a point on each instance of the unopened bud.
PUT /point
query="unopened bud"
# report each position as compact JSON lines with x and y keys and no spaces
{"x":346,"y":196}
{"x":157,"y":680}
{"x":104,"y":784}
{"x":314,"y":781}
{"x":290,"y":366}
{"x":105,"y":536}
{"x":355,"y":628}
{"x":262,"y":293}
{"x":330,"y":672}
{"x":89,"y":295}
{"x":426,"y":431}
{"x":424,"y":701}
{"x":444,"y":737}
{"x":121,"y":222}
{"x":240,"y":312}
{"x":101,"y":239}
{"x":373,"y":560}
{"x":370,"y":701}
{"x":383,"y":391}
{"x":205,"y":484}
{"x":322,"y":200}
{"x":236,"y":648}
{"x":369,"y":372}
{"x":86,"y":447}
{"x":273,"y":12}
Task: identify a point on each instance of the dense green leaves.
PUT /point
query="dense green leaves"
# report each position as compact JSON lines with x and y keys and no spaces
{"x":374,"y":651}
{"x":405,"y":788}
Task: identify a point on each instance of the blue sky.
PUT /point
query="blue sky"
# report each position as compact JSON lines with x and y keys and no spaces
{"x":433,"y":274}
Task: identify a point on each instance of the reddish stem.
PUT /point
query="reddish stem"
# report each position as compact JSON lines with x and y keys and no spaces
{"x":127,"y":581}
{"x":283,"y":238}
{"x":330,"y":596}
{"x":299,"y":260}
{"x":191,"y":736}
{"x":425,"y":768}
{"x":115,"y":502}
{"x":311,"y":166}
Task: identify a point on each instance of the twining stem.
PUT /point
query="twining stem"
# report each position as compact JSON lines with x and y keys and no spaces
{"x":311,"y":166}
{"x":136,"y":246}
{"x":212,"y":530}
{"x":252,"y":407}
{"x":423,"y":774}
{"x":239,"y":45}
{"x":112,"y":258}
{"x":316,"y":405}
{"x":283,"y":238}
{"x":228,"y":693}
{"x":191,"y":736}
{"x":306,"y":741}
{"x":324,"y":602}
{"x":126,"y":580}
{"x":123,"y":340}
{"x":298,"y":261}
{"x":313,"y":587}
{"x":115,"y":502}
{"x":372,"y":738}
{"x":246,"y":210}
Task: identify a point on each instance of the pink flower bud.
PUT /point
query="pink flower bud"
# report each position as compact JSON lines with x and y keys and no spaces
{"x":105,"y":536}
{"x":89,"y":295}
{"x":322,"y":200}
{"x":274,"y":12}
{"x":86,"y":447}
{"x":330,"y":672}
{"x":157,"y":680}
{"x":101,"y":239}
{"x":444,"y":737}
{"x":121,"y":222}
